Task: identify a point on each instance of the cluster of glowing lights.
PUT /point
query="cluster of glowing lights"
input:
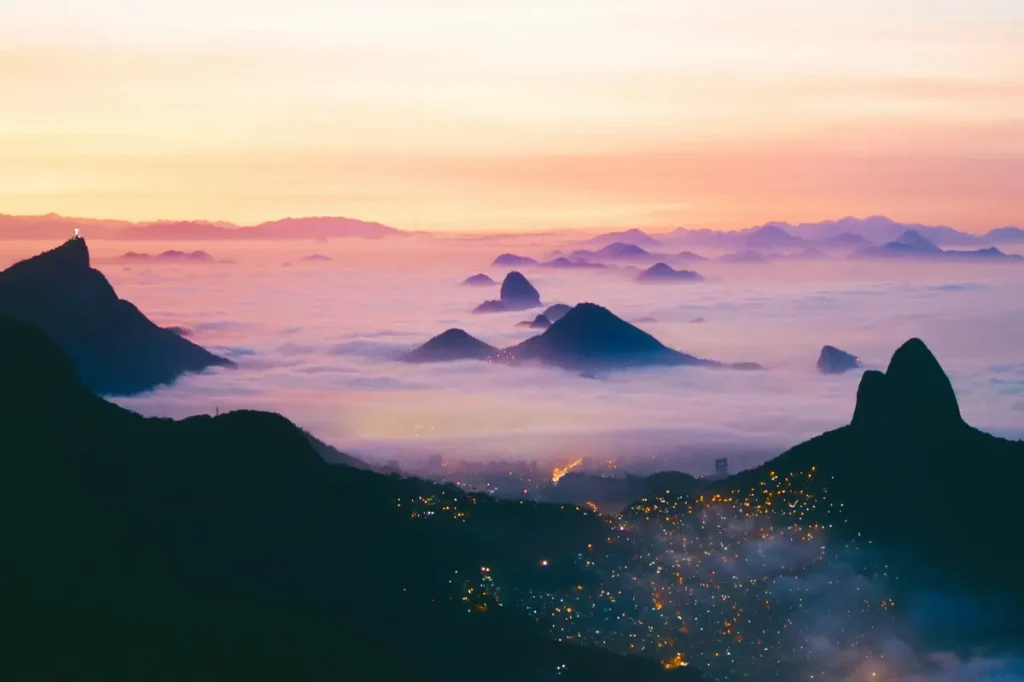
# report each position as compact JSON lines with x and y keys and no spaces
{"x":693,"y":581}
{"x":559,"y":473}
{"x":676,"y":661}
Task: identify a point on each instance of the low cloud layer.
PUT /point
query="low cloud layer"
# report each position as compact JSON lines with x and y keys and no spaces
{"x":318,"y":343}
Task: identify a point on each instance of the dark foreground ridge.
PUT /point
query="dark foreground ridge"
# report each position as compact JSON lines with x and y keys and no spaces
{"x":941,"y":497}
{"x":115,"y":348}
{"x":225,"y":548}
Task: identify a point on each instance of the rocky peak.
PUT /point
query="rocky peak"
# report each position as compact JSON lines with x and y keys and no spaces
{"x":832,"y":360}
{"x":72,"y":255}
{"x":517,"y":293}
{"x":453,"y":344}
{"x":913,"y":392}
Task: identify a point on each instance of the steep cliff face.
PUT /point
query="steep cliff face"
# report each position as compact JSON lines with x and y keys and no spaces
{"x":116,"y":350}
{"x":914,"y":392}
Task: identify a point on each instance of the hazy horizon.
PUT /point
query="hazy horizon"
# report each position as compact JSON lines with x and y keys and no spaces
{"x":318,"y":342}
{"x":581,"y":231}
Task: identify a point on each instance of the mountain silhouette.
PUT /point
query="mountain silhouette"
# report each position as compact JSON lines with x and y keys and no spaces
{"x":747,"y":256}
{"x":912,"y":240}
{"x":53,"y":226}
{"x":805,"y":254}
{"x":454,"y":344}
{"x":490,"y":306}
{"x":622,"y":251}
{"x":172,"y":256}
{"x":831,"y":360}
{"x":225,"y":547}
{"x":770,"y":236}
{"x":877,"y":230}
{"x":316,"y":227}
{"x":632,"y":236}
{"x":115,"y":348}
{"x":663,"y":272}
{"x":872,"y":230}
{"x":512,"y":260}
{"x":1005,"y":235}
{"x":913,"y":392}
{"x":991,"y":253}
{"x":847,"y":240}
{"x":555,"y":312}
{"x":478,"y":280}
{"x":940,"y":496}
{"x":517,"y":293}
{"x":913,"y":244}
{"x":563,"y":263}
{"x":590,"y":337}
{"x":539,"y":322}
{"x":686,"y":257}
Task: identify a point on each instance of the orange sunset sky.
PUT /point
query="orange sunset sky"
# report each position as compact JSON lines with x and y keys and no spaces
{"x":515,"y":114}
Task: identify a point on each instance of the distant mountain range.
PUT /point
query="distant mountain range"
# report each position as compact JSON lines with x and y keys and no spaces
{"x":663,"y":272}
{"x":847,"y":232}
{"x":170,"y":256}
{"x":635,"y":237}
{"x":53,"y":226}
{"x":913,"y":244}
{"x":116,"y":349}
{"x":616,"y":251}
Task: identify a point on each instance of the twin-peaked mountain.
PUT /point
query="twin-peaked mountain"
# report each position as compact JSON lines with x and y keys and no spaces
{"x":908,"y":473}
{"x":587,"y":337}
{"x":115,"y":348}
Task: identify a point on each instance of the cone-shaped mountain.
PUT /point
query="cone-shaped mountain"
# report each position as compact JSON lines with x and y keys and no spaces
{"x":453,"y":344}
{"x":592,"y":337}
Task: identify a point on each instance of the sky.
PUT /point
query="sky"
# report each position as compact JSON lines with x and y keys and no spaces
{"x":490,"y":115}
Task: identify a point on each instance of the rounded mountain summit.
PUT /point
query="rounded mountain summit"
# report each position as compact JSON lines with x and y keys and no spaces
{"x":516,"y":294}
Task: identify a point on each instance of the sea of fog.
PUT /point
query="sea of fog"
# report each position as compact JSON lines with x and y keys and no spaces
{"x":318,"y":343}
